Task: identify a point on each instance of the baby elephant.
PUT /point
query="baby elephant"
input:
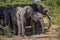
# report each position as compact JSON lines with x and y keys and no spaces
{"x":38,"y":23}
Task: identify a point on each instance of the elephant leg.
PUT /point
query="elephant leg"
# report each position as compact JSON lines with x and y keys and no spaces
{"x":19,"y":27}
{"x":42,"y":23}
{"x":19,"y":24}
{"x":14,"y":24}
{"x":39,"y":23}
{"x":14,"y":29}
{"x":33,"y":26}
{"x":22,"y":25}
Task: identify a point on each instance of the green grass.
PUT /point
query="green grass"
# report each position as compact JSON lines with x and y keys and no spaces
{"x":54,"y":10}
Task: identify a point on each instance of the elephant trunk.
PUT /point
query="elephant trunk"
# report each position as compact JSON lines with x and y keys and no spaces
{"x":49,"y":19}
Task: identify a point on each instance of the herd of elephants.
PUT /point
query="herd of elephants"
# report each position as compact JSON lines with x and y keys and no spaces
{"x":24,"y":19}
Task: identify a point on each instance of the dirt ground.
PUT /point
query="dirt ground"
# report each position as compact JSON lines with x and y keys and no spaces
{"x":19,"y":38}
{"x":51,"y":35}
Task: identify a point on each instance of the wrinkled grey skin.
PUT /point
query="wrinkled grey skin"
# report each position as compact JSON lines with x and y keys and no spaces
{"x":17,"y":19}
{"x":19,"y":16}
{"x":20,"y":19}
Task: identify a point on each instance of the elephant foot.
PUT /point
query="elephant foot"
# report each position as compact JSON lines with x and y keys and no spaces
{"x":28,"y":31}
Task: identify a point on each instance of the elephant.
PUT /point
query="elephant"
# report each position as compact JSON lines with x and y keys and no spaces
{"x":44,"y":11}
{"x":37,"y":22}
{"x":19,"y":15}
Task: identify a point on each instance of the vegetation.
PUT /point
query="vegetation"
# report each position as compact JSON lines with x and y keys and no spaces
{"x":52,"y":5}
{"x":5,"y":31}
{"x":54,"y":10}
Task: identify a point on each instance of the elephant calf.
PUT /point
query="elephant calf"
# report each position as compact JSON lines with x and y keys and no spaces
{"x":38,"y":23}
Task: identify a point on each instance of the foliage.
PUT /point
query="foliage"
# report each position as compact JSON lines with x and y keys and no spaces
{"x":10,"y":2}
{"x":3,"y":38}
{"x":1,"y":30}
{"x":54,"y":10}
{"x":5,"y":31}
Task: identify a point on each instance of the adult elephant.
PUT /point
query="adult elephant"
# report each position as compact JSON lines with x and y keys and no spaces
{"x":19,"y":16}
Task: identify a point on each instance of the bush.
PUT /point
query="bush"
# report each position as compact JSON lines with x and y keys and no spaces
{"x":5,"y":31}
